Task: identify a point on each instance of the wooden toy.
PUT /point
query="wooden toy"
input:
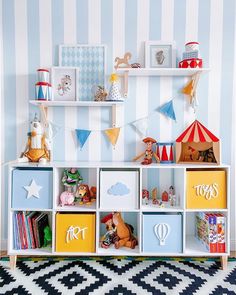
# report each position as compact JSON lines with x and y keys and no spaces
{"x":145,"y":196}
{"x":124,"y":232}
{"x":135,"y":65}
{"x":165,"y":152}
{"x":154,"y":196}
{"x":110,"y":236}
{"x":67,"y":198}
{"x":197,"y":145}
{"x":43,"y":75}
{"x":36,"y":149}
{"x":164,"y":196}
{"x":148,"y":154}
{"x":123,"y":61}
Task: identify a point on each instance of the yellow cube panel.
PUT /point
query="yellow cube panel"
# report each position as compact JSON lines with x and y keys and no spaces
{"x":75,"y":232}
{"x":206,"y":190}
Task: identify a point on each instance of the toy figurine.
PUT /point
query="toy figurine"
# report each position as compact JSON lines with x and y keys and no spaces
{"x":154,"y":196}
{"x":145,"y":196}
{"x":47,"y":236}
{"x":36,"y":149}
{"x":164,"y":196}
{"x":110,"y":236}
{"x":71,"y":178}
{"x":123,"y":61}
{"x":124,"y":232}
{"x":148,"y":154}
{"x":67,"y":198}
{"x":83,"y":194}
{"x":172,"y":198}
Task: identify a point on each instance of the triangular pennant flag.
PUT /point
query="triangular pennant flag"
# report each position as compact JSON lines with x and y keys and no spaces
{"x":82,"y":136}
{"x":53,"y":129}
{"x":168,"y":110}
{"x":188,"y":88}
{"x":141,"y":126}
{"x":112,"y":135}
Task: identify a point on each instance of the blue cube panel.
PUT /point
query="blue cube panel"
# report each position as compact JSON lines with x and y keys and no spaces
{"x":32,"y":188}
{"x":162,"y":233}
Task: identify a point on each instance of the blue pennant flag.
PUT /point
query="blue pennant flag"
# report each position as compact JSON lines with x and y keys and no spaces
{"x":82,"y":136}
{"x":167,"y":109}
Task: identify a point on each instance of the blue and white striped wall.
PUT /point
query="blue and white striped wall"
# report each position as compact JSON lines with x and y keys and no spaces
{"x":33,"y":29}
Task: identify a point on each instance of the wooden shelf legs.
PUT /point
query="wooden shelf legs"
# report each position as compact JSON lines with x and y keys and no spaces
{"x":13,"y":261}
{"x":224,"y":262}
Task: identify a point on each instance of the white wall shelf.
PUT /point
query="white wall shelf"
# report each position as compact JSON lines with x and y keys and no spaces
{"x":112,"y":104}
{"x":176,"y":172}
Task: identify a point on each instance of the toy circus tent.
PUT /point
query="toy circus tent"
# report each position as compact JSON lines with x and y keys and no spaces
{"x":197,"y":144}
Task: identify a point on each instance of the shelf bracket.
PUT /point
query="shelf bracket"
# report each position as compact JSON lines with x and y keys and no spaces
{"x":113,"y":115}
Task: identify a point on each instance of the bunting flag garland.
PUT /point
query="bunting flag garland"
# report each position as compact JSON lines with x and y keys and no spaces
{"x":53,"y":129}
{"x":190,"y":90}
{"x":141,"y":126}
{"x":168,"y":110}
{"x":112,"y":135}
{"x":82,"y":136}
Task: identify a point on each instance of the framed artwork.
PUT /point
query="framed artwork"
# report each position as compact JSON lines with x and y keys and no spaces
{"x":65,"y":83}
{"x":160,"y":54}
{"x":91,"y":61}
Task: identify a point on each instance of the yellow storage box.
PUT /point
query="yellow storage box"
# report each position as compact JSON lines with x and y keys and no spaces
{"x":75,"y":232}
{"x":206,"y":189}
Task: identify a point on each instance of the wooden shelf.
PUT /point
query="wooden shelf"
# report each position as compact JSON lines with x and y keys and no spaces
{"x":161,"y":71}
{"x":52,"y":103}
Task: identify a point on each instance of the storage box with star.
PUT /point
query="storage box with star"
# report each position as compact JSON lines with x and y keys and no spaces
{"x":32,"y":188}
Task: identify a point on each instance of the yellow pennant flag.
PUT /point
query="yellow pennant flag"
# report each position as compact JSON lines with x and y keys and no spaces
{"x":112,"y":135}
{"x":188,"y":88}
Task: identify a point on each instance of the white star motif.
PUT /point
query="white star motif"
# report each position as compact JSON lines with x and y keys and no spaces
{"x":33,"y":189}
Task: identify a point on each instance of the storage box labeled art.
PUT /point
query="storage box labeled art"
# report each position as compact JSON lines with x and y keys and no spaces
{"x":119,"y":189}
{"x":162,"y":233}
{"x":75,"y":232}
{"x":32,"y":188}
{"x":206,"y":189}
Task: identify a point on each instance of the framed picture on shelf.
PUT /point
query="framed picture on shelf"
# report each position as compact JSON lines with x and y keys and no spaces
{"x":160,"y":54}
{"x":65,"y":83}
{"x":91,"y":61}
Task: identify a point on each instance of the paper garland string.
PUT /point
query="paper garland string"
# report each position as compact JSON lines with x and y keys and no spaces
{"x":167,"y":109}
{"x":112,"y":135}
{"x":141,"y":126}
{"x":82,"y":136}
{"x":190,"y":90}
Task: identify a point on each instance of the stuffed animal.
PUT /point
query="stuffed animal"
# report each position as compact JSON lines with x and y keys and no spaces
{"x":124,"y":232}
{"x":67,"y":198}
{"x":83,"y":194}
{"x":36,"y":149}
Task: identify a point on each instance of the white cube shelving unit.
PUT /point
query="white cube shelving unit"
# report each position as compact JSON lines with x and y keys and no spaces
{"x":105,"y":176}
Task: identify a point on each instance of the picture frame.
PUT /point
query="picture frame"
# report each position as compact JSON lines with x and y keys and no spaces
{"x":65,"y":83}
{"x":160,"y":54}
{"x":91,"y":60}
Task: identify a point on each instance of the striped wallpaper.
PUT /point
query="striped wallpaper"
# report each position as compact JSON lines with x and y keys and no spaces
{"x":33,"y":29}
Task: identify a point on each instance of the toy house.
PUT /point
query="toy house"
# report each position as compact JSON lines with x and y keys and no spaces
{"x":197,"y":145}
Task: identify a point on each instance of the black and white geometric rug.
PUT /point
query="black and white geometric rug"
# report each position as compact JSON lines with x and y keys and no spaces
{"x":117,"y":276}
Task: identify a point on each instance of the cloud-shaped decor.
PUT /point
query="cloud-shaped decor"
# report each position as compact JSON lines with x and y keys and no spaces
{"x":118,"y":189}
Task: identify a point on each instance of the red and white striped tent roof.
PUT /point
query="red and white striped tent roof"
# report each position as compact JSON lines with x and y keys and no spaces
{"x":196,"y":132}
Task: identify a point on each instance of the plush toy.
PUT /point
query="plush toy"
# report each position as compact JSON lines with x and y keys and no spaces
{"x":83,"y":194}
{"x":67,"y":198}
{"x":110,"y":236}
{"x":47,"y":236}
{"x":148,"y":154}
{"x":36,"y":149}
{"x":124,"y":232}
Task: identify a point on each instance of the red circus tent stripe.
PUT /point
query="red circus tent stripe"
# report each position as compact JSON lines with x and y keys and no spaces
{"x":196,"y":132}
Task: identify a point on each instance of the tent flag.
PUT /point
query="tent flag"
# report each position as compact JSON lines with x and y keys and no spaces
{"x":141,"y":126}
{"x":82,"y":136}
{"x":167,"y":109}
{"x":112,"y":135}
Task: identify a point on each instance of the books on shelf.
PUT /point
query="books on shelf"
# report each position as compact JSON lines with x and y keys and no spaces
{"x":28,"y":229}
{"x":210,"y":231}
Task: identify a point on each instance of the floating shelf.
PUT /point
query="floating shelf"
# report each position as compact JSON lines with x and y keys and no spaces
{"x":161,"y":71}
{"x":112,"y":104}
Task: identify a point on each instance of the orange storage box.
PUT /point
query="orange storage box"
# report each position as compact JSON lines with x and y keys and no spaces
{"x":75,"y":232}
{"x":206,"y":189}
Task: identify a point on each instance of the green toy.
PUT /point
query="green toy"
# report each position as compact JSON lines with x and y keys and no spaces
{"x":47,"y":236}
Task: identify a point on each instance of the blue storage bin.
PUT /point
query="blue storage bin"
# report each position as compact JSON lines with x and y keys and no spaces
{"x":32,"y":188}
{"x":162,"y":232}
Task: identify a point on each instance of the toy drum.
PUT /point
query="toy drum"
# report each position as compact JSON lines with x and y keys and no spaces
{"x":43,"y":75}
{"x":41,"y":91}
{"x":165,"y":152}
{"x":190,"y":46}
